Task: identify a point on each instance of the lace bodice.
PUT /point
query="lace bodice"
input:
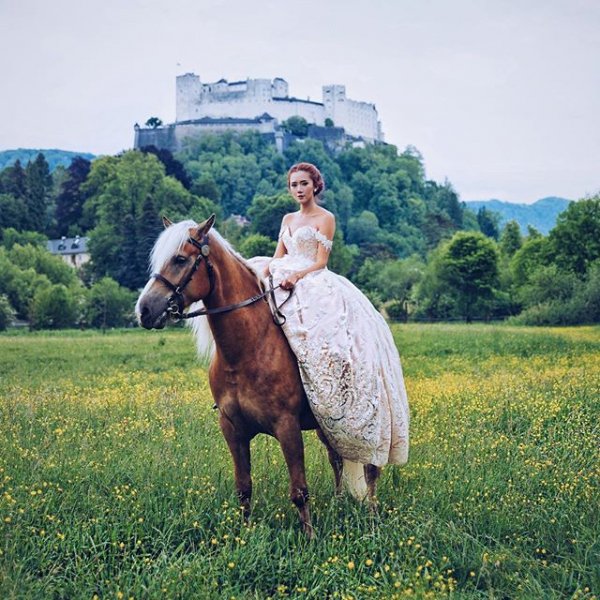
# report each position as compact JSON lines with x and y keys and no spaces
{"x":304,"y":242}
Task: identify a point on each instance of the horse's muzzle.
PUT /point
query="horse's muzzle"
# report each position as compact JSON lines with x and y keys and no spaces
{"x":150,"y":319}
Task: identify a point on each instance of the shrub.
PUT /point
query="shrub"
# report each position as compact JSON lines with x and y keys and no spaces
{"x":7,"y":313}
{"x":53,"y":307}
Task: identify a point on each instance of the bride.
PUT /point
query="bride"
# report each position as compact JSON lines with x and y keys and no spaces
{"x":347,"y":357}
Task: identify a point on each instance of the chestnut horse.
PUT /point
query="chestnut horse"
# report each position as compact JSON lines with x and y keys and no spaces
{"x":253,"y":373}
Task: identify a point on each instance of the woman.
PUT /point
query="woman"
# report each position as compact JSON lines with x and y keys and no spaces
{"x":348,"y":361}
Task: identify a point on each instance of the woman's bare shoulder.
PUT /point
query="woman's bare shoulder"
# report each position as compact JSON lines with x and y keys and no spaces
{"x":326,"y":223}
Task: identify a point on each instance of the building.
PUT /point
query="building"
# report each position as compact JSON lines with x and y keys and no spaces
{"x":72,"y":250}
{"x":261,"y":105}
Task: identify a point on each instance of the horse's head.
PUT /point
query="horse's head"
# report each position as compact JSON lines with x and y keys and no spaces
{"x":182,"y":272}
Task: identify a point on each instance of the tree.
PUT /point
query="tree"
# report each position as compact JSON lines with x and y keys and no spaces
{"x":511,"y":239}
{"x":574,"y":243}
{"x":39,"y":185}
{"x":12,"y":181}
{"x":173,"y":167}
{"x":488,"y":222}
{"x":470,"y":268}
{"x":296,"y":126}
{"x":12,"y":212}
{"x":123,"y":193}
{"x":109,"y":305}
{"x":53,"y":307}
{"x":71,"y":198}
{"x":7,"y":313}
{"x":257,"y":244}
{"x":154,"y":122}
{"x":266,"y":213}
{"x":528,"y":258}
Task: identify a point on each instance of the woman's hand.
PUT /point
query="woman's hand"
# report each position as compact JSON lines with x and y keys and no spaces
{"x":289,"y":282}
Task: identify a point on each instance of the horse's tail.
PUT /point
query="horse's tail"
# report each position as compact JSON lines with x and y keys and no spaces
{"x":354,"y":479}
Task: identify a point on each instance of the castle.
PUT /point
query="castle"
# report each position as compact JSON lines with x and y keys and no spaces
{"x":261,"y":105}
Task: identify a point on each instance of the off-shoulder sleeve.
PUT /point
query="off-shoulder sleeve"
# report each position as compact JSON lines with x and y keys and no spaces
{"x":327,"y":244}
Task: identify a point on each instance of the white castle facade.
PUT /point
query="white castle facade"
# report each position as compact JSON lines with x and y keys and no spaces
{"x":254,"y":97}
{"x":261,"y":105}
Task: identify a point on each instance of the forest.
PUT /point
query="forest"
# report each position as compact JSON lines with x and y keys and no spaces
{"x":408,"y":242}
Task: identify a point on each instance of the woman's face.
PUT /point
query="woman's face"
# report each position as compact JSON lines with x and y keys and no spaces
{"x":302,"y":187}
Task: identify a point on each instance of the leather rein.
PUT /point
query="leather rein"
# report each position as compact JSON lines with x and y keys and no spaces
{"x":175,"y":302}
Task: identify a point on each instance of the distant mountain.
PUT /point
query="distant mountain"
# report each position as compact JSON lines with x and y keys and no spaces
{"x":55,"y":158}
{"x":541,"y":214}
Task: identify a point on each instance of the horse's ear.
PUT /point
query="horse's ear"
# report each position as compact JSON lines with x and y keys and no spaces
{"x":166,"y":222}
{"x":204,"y":228}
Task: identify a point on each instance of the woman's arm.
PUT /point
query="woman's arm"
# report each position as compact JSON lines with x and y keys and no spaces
{"x":327,"y":228}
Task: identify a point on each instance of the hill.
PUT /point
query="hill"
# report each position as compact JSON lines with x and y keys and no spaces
{"x":541,"y":214}
{"x":54,"y":157}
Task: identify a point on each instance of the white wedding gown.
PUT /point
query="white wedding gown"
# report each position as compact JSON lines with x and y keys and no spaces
{"x":348,"y":361}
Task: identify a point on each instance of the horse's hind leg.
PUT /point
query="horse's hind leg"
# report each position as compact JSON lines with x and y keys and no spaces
{"x":372,"y":474}
{"x":335,"y":460}
{"x":289,"y":435}
{"x":239,"y":446}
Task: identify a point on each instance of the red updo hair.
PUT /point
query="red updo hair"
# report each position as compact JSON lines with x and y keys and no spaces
{"x":314,"y":173}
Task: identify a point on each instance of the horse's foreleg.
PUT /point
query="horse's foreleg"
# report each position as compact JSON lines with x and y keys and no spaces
{"x":335,"y":460}
{"x":239,"y":446}
{"x":289,"y":436}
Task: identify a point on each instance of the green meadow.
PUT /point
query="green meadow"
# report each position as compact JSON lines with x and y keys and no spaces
{"x":115,"y":481}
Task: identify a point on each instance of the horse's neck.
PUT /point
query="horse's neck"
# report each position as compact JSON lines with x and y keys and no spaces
{"x":236,"y":333}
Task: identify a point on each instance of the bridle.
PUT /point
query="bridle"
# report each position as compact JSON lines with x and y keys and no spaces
{"x":175,"y":302}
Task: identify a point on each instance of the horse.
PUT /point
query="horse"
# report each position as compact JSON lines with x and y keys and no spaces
{"x":253,"y":374}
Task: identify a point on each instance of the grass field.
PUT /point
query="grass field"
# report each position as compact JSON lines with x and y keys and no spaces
{"x":115,"y":481}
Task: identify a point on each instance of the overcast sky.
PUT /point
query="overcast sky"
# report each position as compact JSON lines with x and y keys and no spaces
{"x":502,"y":97}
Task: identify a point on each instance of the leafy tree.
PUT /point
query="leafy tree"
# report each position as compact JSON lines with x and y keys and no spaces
{"x":511,"y":239}
{"x":488,"y":222}
{"x":7,"y":313}
{"x":342,"y":256}
{"x":110,"y":305}
{"x":154,"y":122}
{"x":42,"y":262}
{"x":470,"y":268}
{"x":206,"y":187}
{"x":528,"y":258}
{"x":123,"y":192}
{"x":173,"y":167}
{"x":328,"y":122}
{"x":257,"y":244}
{"x":435,"y":300}
{"x":266,"y":213}
{"x":53,"y":307}
{"x":147,"y":229}
{"x":12,"y":212}
{"x":296,"y":126}
{"x":71,"y":198}
{"x":11,"y":236}
{"x":548,"y":283}
{"x":39,"y":186}
{"x":574,"y":243}
{"x":13,"y":181}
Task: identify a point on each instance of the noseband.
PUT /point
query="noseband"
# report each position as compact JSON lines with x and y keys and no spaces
{"x":175,"y":302}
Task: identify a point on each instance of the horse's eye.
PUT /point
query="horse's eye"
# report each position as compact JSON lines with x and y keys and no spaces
{"x":180,"y":260}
